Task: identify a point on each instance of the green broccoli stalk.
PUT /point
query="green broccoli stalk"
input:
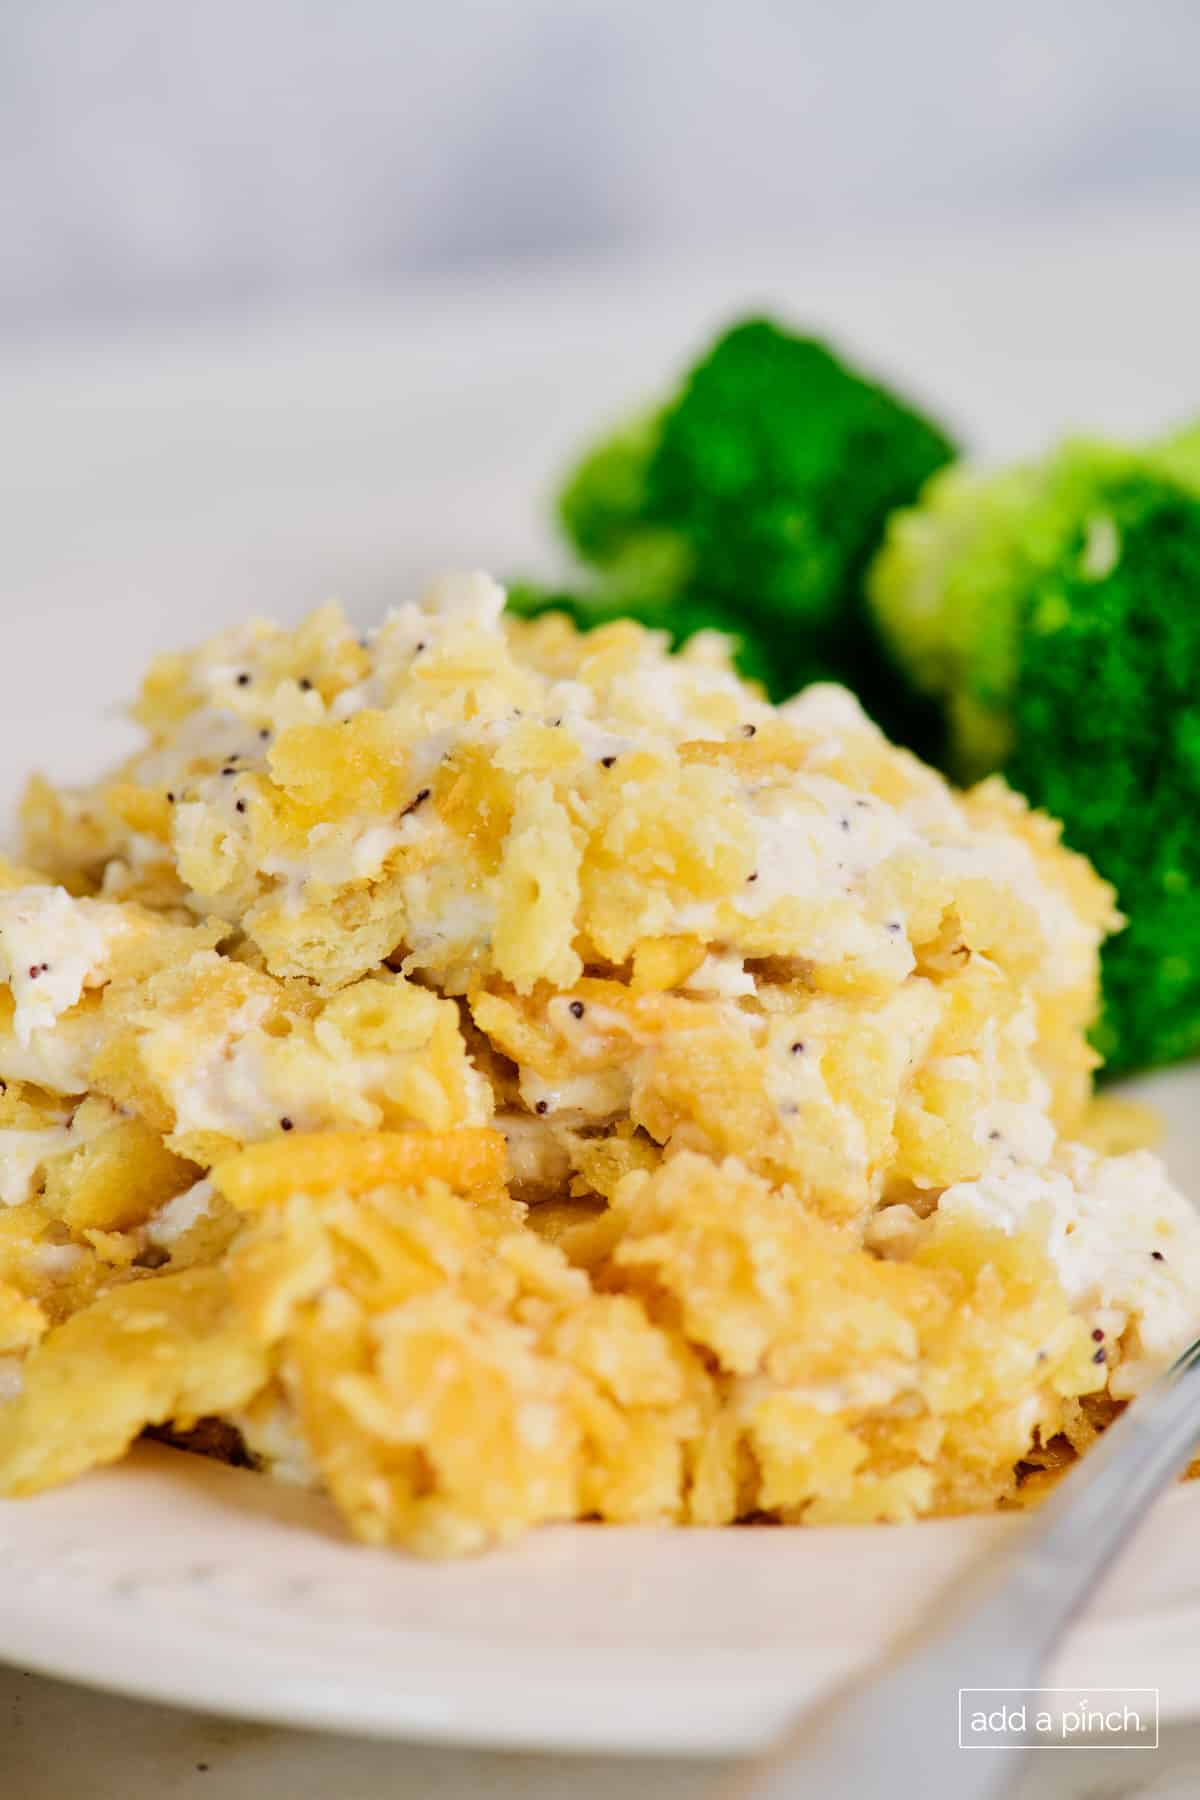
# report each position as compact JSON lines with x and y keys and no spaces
{"x":1054,"y":613}
{"x":752,"y":503}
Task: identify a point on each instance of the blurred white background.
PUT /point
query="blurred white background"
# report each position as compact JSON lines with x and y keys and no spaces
{"x":301,"y":297}
{"x":161,"y":159}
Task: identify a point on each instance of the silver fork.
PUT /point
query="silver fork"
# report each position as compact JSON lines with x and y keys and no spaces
{"x":895,"y":1730}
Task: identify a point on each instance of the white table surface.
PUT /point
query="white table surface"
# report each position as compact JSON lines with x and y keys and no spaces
{"x":258,"y":466}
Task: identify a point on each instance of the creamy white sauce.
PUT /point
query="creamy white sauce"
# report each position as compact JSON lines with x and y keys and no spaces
{"x":677,"y":694}
{"x":226,"y":1095}
{"x":56,"y":1058}
{"x":179,"y":1215}
{"x":52,"y":947}
{"x":1021,"y":1128}
{"x":828,"y":710}
{"x":592,"y":1096}
{"x":224,"y":1088}
{"x":272,"y":1435}
{"x":931,"y":821}
{"x":351,"y":849}
{"x":1101,"y":1220}
{"x":372,"y":848}
{"x":722,"y":974}
{"x":463,"y":920}
{"x":56,"y":1261}
{"x":22,"y":1154}
{"x":207,"y":734}
{"x":827,"y":848}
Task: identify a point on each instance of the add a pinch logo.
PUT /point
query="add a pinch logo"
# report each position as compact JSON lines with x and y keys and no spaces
{"x":1057,"y":1718}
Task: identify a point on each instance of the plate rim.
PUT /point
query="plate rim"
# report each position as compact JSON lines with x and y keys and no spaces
{"x":494,"y":1694}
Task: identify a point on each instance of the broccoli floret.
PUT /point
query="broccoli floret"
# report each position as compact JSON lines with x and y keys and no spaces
{"x":1054,"y":612}
{"x":777,"y":466}
{"x":603,"y":502}
{"x":755,"y":498}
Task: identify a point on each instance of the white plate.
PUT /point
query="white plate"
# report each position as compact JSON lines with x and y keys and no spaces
{"x":180,"y":1580}
{"x":177,"y":1579}
{"x":166,"y":487}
